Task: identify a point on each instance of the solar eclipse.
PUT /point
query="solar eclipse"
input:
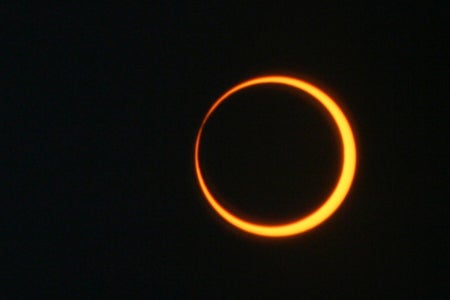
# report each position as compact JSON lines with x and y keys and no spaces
{"x":341,"y":188}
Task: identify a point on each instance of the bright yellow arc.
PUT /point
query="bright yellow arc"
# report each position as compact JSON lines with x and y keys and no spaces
{"x":341,"y":189}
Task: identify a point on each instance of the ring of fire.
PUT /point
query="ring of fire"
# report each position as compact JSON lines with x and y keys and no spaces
{"x":342,"y":186}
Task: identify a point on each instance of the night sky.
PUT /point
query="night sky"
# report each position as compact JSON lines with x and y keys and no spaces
{"x":100,"y":109}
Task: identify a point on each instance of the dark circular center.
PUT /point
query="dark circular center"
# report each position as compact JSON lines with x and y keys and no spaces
{"x":270,"y":153}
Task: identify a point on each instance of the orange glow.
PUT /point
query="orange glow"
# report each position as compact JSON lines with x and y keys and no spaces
{"x":342,"y":186}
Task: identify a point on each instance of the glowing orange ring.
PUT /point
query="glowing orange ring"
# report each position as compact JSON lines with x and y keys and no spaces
{"x":342,"y":186}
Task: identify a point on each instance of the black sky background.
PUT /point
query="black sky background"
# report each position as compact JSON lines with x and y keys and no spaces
{"x":100,"y":108}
